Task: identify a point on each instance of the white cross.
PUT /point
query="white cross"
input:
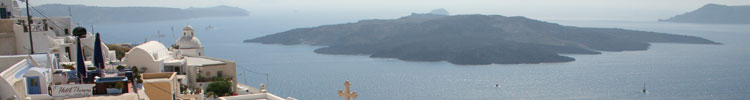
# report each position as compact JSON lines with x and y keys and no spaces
{"x":348,"y":93}
{"x":158,"y":35}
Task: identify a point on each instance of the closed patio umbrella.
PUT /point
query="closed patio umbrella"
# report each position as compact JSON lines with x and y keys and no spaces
{"x":98,"y":57}
{"x":80,"y":66}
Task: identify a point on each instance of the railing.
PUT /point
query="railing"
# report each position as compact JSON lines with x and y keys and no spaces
{"x":204,"y":79}
{"x":36,"y":28}
{"x":210,"y":79}
{"x":12,"y":71}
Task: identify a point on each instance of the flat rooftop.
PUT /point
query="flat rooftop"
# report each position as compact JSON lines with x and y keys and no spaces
{"x":156,"y":80}
{"x":166,"y":75}
{"x":8,"y":61}
{"x":203,"y":61}
{"x":158,"y":77}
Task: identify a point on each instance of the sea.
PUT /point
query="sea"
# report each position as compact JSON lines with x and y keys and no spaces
{"x":666,"y":70}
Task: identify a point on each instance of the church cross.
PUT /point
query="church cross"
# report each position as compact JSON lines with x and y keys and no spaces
{"x":348,"y":93}
{"x":159,"y":35}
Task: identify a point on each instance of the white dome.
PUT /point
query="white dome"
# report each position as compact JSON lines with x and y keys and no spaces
{"x":188,"y":27}
{"x":189,"y":42}
{"x":188,"y":39}
{"x":154,"y":49}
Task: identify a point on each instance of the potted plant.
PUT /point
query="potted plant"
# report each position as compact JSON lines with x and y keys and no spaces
{"x":91,"y":68}
{"x":116,"y":89}
{"x":220,"y":87}
{"x":69,"y":66}
{"x":136,"y":74}
{"x":120,"y":68}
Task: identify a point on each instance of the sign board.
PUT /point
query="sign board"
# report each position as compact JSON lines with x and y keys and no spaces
{"x":73,"y":90}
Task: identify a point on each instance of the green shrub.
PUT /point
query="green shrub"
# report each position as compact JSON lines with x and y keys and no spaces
{"x":119,"y":85}
{"x":220,"y":87}
{"x":136,"y":74}
{"x":120,"y":67}
{"x":69,"y":66}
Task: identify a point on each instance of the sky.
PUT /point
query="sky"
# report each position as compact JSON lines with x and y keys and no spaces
{"x":545,"y":9}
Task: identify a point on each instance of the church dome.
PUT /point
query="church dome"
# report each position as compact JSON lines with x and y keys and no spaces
{"x":188,"y":39}
{"x":188,"y":27}
{"x":189,"y":42}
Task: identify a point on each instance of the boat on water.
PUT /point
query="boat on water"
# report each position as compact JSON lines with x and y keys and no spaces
{"x":209,"y":27}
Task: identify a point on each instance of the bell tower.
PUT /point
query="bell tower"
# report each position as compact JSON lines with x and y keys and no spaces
{"x":189,"y":44}
{"x":188,"y":31}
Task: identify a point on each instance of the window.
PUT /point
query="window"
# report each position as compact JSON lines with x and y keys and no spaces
{"x":33,"y":85}
{"x":220,"y":73}
{"x":168,"y":69}
{"x":34,"y":82}
{"x":177,"y":69}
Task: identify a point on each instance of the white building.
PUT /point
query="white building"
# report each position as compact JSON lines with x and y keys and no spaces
{"x":203,"y":70}
{"x":49,"y":34}
{"x":186,"y":59}
{"x":189,"y":44}
{"x":26,"y":76}
{"x":11,"y":7}
{"x":154,"y":57}
{"x":12,"y":83}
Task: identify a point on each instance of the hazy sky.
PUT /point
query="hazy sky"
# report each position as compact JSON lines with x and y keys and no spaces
{"x":562,"y":9}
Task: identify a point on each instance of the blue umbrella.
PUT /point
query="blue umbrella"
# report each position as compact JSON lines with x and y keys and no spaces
{"x":98,"y":57}
{"x":80,"y":66}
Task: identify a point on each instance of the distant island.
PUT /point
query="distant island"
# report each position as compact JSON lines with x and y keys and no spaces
{"x":94,"y":14}
{"x":715,"y":14}
{"x":470,"y":39}
{"x":440,"y":11}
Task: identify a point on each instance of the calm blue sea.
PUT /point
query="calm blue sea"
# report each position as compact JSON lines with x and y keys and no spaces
{"x":670,"y":71}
